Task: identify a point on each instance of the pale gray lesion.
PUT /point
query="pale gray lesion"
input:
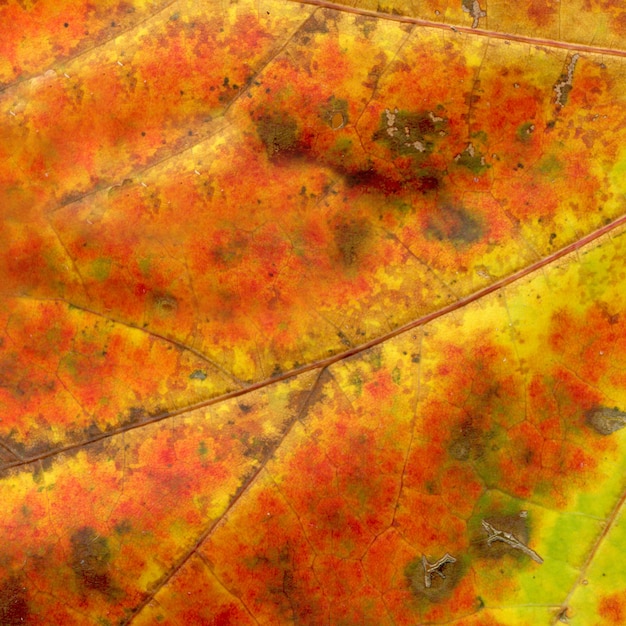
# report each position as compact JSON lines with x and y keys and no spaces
{"x":606,"y":421}
{"x":564,"y":86}
{"x":473,"y":8}
{"x":435,"y":568}
{"x":510,"y":539}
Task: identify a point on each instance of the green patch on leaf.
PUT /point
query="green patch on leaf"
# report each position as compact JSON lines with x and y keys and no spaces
{"x":408,"y":133}
{"x":335,"y":112}
{"x":525,"y":131}
{"x":455,"y":224}
{"x":351,"y":238}
{"x":279,"y":133}
{"x":472,"y":159}
{"x":480,"y":135}
{"x":100,"y":268}
{"x":549,"y":165}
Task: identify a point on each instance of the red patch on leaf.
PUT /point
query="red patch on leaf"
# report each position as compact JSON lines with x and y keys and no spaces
{"x":613,"y":608}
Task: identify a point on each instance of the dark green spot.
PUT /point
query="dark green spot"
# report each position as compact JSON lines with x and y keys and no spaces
{"x":525,"y":131}
{"x":335,"y":112}
{"x":198,"y":375}
{"x":350,"y":239}
{"x":472,"y":159}
{"x":90,"y":559}
{"x":408,"y":133}
{"x":123,"y":527}
{"x":455,"y":224}
{"x":279,"y":133}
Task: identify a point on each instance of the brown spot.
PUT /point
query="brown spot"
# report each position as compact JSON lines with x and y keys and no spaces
{"x":467,"y":442}
{"x":606,"y":421}
{"x":13,"y":603}
{"x":279,"y":133}
{"x":440,"y":588}
{"x":517,"y":525}
{"x":90,"y":559}
{"x":371,"y":180}
{"x":455,"y":224}
{"x":350,"y":238}
{"x":428,"y":183}
{"x":165,"y":304}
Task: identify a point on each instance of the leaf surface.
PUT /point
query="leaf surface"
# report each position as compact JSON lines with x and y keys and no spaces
{"x":312,"y":314}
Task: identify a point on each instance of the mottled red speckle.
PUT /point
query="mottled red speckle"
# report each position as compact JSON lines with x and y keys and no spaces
{"x":613,"y":608}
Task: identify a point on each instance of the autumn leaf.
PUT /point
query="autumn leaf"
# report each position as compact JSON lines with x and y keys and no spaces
{"x":312,"y":313}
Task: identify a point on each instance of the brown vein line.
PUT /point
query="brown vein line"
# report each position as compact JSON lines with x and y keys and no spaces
{"x":605,"y":531}
{"x":467,"y":30}
{"x":209,"y":567}
{"x":324,"y":363}
{"x":151,"y":333}
{"x":238,"y":495}
{"x":63,"y":61}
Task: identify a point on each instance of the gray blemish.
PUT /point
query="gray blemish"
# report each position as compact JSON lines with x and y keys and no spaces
{"x":473,"y":8}
{"x":435,"y":568}
{"x":495,"y":534}
{"x":606,"y":421}
{"x":564,"y":86}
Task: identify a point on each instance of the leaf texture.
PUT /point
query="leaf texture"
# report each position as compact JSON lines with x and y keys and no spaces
{"x":312,"y":313}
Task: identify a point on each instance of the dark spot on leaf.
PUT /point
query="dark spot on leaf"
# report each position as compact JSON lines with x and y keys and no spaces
{"x":455,"y":224}
{"x":350,"y":238}
{"x":258,"y":448}
{"x":165,"y":304}
{"x":467,"y":442}
{"x":90,"y":559}
{"x":136,"y":414}
{"x":334,"y":111}
{"x":606,"y":421}
{"x":279,"y":133}
{"x":440,"y":588}
{"x":198,"y":375}
{"x":525,"y":131}
{"x":408,"y":133}
{"x":319,"y":22}
{"x":371,"y":180}
{"x":14,"y":608}
{"x":123,"y":527}
{"x":517,"y":525}
{"x":245,"y":408}
{"x":428,"y":183}
{"x":472,"y":160}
